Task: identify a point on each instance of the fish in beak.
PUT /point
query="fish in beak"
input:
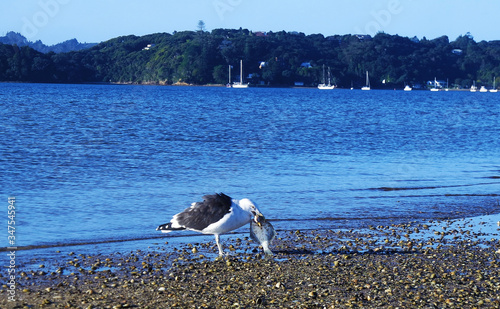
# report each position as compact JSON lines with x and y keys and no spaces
{"x":258,"y":218}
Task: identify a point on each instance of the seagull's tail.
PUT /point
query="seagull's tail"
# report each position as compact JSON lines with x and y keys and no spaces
{"x":167,"y":228}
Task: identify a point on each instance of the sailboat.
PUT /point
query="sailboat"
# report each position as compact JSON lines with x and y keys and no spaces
{"x":324,"y":86}
{"x":494,"y":90}
{"x":483,"y":89}
{"x":435,"y":85}
{"x":228,"y":85}
{"x":473,"y":88}
{"x":367,"y":87}
{"x":240,"y":83}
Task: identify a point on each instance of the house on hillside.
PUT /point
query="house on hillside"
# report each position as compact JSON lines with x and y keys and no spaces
{"x":363,"y":37}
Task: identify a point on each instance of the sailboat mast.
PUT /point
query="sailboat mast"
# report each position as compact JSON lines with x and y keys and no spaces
{"x":324,"y":81}
{"x":241,"y":72}
{"x":367,"y":86}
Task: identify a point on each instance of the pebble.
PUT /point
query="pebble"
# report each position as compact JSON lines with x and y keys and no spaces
{"x":373,"y":270}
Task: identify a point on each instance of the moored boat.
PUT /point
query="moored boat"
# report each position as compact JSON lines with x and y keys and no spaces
{"x":325,"y":86}
{"x":473,"y":88}
{"x":240,"y":83}
{"x":494,"y":89}
{"x":367,"y":87}
{"x":435,"y":85}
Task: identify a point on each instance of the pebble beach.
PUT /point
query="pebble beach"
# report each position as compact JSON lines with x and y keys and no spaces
{"x":426,"y":264}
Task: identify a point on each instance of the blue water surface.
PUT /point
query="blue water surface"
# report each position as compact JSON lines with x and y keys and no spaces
{"x":107,"y":162}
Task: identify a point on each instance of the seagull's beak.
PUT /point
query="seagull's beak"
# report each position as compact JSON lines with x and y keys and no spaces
{"x":258,"y":218}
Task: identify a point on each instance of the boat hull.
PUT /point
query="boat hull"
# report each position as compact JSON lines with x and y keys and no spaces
{"x":325,"y":87}
{"x":240,"y":86}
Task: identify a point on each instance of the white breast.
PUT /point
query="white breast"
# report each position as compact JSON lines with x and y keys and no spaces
{"x":236,"y":218}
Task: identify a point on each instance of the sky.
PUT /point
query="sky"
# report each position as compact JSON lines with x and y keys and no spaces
{"x":93,"y":21}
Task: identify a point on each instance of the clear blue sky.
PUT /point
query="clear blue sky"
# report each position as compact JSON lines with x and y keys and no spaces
{"x":54,"y":21}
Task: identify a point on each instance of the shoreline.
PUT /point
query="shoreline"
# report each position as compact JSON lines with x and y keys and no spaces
{"x":224,"y":86}
{"x":319,"y":224}
{"x":446,"y":264}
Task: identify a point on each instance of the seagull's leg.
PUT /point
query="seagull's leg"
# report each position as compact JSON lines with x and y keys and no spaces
{"x":221,"y":253}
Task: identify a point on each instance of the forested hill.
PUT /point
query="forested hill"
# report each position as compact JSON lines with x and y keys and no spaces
{"x":273,"y":58}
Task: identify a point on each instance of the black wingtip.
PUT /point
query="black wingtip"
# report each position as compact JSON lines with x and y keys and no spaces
{"x":168,"y":227}
{"x":164,"y":227}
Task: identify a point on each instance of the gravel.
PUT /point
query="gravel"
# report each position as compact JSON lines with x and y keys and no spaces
{"x":411,"y":265}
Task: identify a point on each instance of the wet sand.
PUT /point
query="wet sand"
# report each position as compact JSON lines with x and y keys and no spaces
{"x":447,"y":264}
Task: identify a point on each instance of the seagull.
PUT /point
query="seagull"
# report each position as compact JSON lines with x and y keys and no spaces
{"x":217,"y":214}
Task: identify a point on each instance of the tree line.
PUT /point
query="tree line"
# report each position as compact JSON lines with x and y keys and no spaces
{"x":272,"y":58}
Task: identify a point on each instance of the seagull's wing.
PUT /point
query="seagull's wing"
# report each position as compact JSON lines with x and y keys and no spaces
{"x":202,"y":214}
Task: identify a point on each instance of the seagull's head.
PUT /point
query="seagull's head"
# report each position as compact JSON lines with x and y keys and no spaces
{"x":250,"y":206}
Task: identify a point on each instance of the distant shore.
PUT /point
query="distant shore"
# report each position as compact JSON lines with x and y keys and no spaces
{"x":224,"y":86}
{"x":444,"y":264}
{"x":277,"y":58}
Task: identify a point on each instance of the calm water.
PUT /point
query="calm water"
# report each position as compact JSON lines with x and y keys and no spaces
{"x":101,"y":162}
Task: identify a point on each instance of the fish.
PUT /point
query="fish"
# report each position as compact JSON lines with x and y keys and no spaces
{"x":263,"y":232}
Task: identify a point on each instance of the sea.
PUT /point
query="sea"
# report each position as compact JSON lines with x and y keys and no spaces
{"x":109,"y":163}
